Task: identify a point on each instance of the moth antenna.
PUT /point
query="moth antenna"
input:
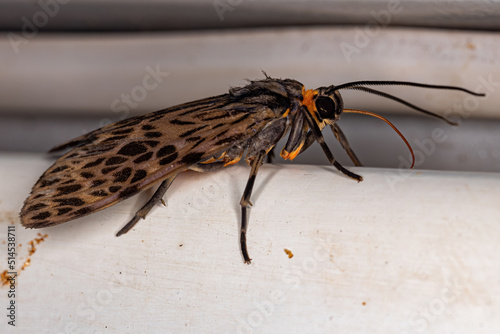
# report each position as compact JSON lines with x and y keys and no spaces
{"x":404,"y":83}
{"x":357,"y":111}
{"x":399,"y":100}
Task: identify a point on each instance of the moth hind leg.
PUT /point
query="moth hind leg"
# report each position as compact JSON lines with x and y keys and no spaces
{"x":342,"y":139}
{"x":142,"y":212}
{"x":257,"y":149}
{"x":245,"y":200}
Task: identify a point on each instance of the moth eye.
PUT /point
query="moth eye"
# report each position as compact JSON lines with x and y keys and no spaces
{"x":325,"y":107}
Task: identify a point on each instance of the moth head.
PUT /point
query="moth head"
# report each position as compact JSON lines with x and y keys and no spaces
{"x":325,"y":104}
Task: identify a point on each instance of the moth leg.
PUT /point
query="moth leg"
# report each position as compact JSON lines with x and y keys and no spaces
{"x":345,"y":144}
{"x":157,"y":197}
{"x":308,"y":142}
{"x":245,"y":200}
{"x":319,"y":138}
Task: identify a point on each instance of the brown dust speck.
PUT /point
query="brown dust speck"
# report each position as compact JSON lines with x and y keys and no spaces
{"x":289,"y":253}
{"x":31,"y":250}
{"x":4,"y":278}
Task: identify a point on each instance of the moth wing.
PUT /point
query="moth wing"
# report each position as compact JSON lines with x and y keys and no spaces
{"x":117,"y":161}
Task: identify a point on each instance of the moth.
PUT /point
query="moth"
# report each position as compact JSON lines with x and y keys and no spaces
{"x":117,"y":161}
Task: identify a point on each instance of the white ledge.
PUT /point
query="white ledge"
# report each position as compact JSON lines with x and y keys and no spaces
{"x":421,"y":255}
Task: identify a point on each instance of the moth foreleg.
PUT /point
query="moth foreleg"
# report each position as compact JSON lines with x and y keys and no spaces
{"x":319,"y":138}
{"x":157,"y":197}
{"x":245,"y":200}
{"x":345,"y":144}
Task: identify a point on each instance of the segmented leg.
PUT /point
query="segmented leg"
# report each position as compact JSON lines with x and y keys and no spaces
{"x":319,"y":138}
{"x":345,"y":144}
{"x":157,"y":197}
{"x":245,"y":200}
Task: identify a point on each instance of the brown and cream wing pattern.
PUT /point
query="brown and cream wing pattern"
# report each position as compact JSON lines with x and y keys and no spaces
{"x":119,"y":160}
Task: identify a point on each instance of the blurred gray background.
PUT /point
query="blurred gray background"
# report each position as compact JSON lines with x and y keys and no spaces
{"x":68,"y":67}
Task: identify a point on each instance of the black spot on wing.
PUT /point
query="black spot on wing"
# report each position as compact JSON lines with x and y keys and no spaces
{"x":242,"y":118}
{"x":115,"y":161}
{"x":86,"y":175}
{"x":58,"y":169}
{"x":97,"y":183}
{"x":213,"y":118}
{"x":106,"y":170}
{"x":42,"y":215}
{"x":94,"y":163}
{"x":201,"y":140}
{"x":139,"y":175}
{"x":114,"y":189}
{"x":74,"y":201}
{"x":192,"y":131}
{"x":110,"y":139}
{"x":122,"y":175}
{"x":168,"y":159}
{"x":151,"y":143}
{"x":62,"y":211}
{"x":166,"y":150}
{"x":47,"y":183}
{"x":192,"y":158}
{"x":99,"y":193}
{"x":82,"y":211}
{"x":68,"y":189}
{"x":168,"y":154}
{"x":156,"y":118}
{"x":153,"y":134}
{"x":193,"y":139}
{"x":132,"y":149}
{"x":144,"y":157}
{"x":36,"y":207}
{"x":232,"y":139}
{"x":122,"y":132}
{"x":127,"y":192}
{"x":179,"y":122}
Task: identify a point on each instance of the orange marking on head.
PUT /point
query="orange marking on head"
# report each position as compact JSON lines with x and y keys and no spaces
{"x":307,"y":98}
{"x":308,"y":101}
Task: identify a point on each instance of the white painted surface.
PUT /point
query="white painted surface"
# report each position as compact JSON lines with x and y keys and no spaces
{"x":422,"y":255}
